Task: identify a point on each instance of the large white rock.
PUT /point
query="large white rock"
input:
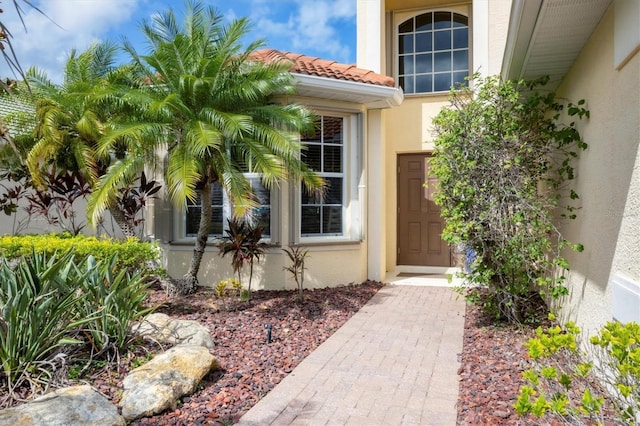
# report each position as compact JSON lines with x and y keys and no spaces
{"x":162,"y":328}
{"x":157,"y":385}
{"x":72,"y":406}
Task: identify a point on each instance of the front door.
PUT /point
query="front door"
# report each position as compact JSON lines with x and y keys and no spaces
{"x":419,"y":222}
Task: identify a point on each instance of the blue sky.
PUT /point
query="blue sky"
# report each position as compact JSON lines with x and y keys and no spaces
{"x":323,"y":28}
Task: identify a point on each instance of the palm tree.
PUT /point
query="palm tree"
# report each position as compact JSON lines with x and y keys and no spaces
{"x":212,"y":108}
{"x":70,"y":121}
{"x":6,"y":47}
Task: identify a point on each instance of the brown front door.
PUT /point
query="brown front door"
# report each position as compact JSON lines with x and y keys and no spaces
{"x":419,"y":223}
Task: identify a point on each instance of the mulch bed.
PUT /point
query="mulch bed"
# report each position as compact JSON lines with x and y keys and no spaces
{"x":249,"y":366}
{"x":492,"y":360}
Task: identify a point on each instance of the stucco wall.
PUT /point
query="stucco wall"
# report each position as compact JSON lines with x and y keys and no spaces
{"x":21,"y":223}
{"x":409,"y":126}
{"x":499,"y":11}
{"x":608,"y":177}
{"x":408,"y":130}
{"x":325,"y":267}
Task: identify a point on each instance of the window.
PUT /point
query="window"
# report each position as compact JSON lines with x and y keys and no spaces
{"x":433,"y":52}
{"x":324,"y":153}
{"x":222,"y":209}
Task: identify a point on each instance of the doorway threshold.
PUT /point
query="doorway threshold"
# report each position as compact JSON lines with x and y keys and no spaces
{"x":424,"y":276}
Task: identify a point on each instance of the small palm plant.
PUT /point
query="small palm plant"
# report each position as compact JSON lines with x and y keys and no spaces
{"x":243,"y":242}
{"x":297,"y":256}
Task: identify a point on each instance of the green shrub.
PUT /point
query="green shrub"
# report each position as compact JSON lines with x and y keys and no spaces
{"x":54,"y":311}
{"x":113,"y":298}
{"x":503,"y":162}
{"x":597,"y":385}
{"x":38,"y":315}
{"x":132,"y":254}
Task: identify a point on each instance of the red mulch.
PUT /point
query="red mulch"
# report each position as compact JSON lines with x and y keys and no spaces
{"x":249,"y":367}
{"x":493,"y":357}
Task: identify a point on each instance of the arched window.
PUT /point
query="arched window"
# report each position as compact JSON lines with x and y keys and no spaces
{"x":433,"y":52}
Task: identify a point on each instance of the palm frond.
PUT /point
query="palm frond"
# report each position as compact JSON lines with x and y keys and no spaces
{"x":230,"y":124}
{"x":37,"y":157}
{"x":89,"y":126}
{"x":183,"y":174}
{"x":202,"y":138}
{"x":139,"y":138}
{"x":236,"y":184}
{"x":104,"y":193}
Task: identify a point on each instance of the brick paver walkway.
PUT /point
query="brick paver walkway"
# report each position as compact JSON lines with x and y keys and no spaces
{"x":394,"y":362}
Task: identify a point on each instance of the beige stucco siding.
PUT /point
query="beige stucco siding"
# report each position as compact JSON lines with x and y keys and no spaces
{"x":21,"y":222}
{"x":409,"y":130}
{"x":325,"y":267}
{"x":408,"y":127}
{"x":608,"y":178}
{"x":498,"y":28}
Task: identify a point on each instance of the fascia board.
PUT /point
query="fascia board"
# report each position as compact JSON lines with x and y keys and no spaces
{"x":522,"y":23}
{"x":376,"y":96}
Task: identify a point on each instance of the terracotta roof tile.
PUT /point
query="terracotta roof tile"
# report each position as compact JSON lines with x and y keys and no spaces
{"x":310,"y":65}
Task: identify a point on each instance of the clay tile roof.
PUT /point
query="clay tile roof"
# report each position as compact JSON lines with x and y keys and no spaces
{"x":310,"y":65}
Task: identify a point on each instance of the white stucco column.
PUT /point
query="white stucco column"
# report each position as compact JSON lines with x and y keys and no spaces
{"x":480,"y":25}
{"x":369,"y":35}
{"x":376,"y":197}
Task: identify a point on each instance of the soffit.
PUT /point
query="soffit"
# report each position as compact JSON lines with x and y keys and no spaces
{"x":546,"y":36}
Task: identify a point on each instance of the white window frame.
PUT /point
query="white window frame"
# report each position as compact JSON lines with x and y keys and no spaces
{"x":352,"y":213}
{"x":400,"y":17}
{"x":227,"y":212}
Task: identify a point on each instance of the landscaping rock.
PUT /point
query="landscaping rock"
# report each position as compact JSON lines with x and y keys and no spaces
{"x":156,"y":386}
{"x":76,"y":405}
{"x":162,"y":328}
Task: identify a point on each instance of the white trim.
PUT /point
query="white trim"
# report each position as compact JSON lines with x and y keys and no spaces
{"x":370,"y":17}
{"x":480,"y":37}
{"x":352,"y":223}
{"x":626,"y":30}
{"x":522,"y":22}
{"x":371,"y":95}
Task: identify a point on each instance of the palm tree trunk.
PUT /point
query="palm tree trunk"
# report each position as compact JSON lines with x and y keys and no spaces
{"x":189,"y":282}
{"x":119,"y":217}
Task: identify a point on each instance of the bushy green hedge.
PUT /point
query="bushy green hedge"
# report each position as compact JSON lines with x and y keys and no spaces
{"x":132,"y":254}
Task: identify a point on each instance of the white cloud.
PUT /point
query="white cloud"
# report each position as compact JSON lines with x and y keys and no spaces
{"x":319,"y":23}
{"x":309,"y":27}
{"x":76,"y":23}
{"x":313,"y":27}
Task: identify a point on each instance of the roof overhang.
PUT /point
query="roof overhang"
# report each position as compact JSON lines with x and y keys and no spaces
{"x":372,"y":96}
{"x":546,"y":36}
